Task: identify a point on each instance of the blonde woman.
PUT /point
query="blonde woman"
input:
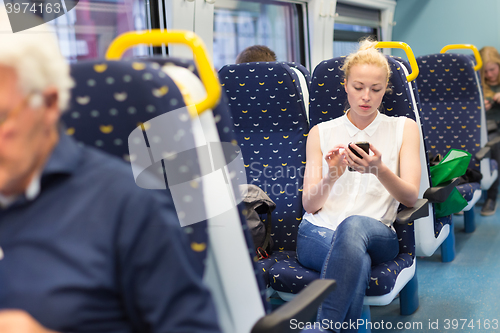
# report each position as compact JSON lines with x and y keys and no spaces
{"x":490,"y":80}
{"x":348,"y":224}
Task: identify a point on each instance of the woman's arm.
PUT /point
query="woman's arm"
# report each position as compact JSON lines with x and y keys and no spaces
{"x":317,"y":188}
{"x":405,"y":187}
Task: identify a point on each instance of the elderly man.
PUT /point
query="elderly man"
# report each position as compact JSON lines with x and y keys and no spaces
{"x":82,"y":248}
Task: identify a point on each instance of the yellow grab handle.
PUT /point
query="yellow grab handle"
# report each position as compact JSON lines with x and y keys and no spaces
{"x":479,"y":61}
{"x":157,"y":37}
{"x":409,"y":54}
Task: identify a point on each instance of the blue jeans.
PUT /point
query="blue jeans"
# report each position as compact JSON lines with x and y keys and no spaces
{"x":345,"y":255}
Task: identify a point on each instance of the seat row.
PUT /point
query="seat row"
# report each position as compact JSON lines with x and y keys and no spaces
{"x":447,"y":107}
{"x":152,"y":113}
{"x":260,"y":120}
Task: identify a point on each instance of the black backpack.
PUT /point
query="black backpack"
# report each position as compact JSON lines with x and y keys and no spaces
{"x":256,"y":202}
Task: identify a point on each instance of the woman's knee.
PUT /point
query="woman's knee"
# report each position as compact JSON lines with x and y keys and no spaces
{"x":354,"y":226}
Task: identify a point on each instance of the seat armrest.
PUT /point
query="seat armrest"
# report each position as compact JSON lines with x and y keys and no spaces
{"x":302,"y":308}
{"x":483,"y":152}
{"x":440,"y":193}
{"x":420,"y":209}
{"x":486,"y":150}
{"x":493,"y":142}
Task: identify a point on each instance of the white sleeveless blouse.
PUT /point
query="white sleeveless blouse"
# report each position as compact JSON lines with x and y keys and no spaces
{"x":355,"y":193}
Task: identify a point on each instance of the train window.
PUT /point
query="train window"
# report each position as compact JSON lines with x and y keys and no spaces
{"x":352,"y":24}
{"x":239,"y":24}
{"x":86,"y":31}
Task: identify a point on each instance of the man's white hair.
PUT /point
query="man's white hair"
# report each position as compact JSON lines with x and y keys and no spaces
{"x":35,"y":56}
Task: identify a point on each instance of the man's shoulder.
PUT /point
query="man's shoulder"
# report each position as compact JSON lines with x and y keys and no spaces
{"x":112,"y":173}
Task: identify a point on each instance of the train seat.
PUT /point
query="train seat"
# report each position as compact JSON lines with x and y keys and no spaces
{"x":328,"y":100}
{"x":489,"y":170}
{"x":108,"y":102}
{"x":275,"y":154}
{"x":303,"y":70}
{"x":229,"y":273}
{"x":271,"y":128}
{"x":444,"y":234}
{"x":451,"y":105}
{"x":287,"y":276}
{"x":430,"y":232}
{"x":304,"y":81}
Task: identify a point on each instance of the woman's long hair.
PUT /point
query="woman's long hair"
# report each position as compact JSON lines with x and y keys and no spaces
{"x":488,"y":54}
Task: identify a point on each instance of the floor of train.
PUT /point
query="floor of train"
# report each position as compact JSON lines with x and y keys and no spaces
{"x":459,"y":296}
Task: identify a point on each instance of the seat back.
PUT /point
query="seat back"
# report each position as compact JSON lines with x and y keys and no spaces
{"x":287,"y":276}
{"x":229,"y":274}
{"x":302,"y":69}
{"x":451,"y":104}
{"x":231,"y":271}
{"x":271,"y":128}
{"x":304,"y":82}
{"x":110,"y":99}
{"x":470,"y":78}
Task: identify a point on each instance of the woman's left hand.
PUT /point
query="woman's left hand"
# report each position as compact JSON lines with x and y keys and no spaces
{"x":366,"y":164}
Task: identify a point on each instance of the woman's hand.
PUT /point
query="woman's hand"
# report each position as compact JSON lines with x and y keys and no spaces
{"x":487,"y":104}
{"x":336,"y":161}
{"x":366,"y":164}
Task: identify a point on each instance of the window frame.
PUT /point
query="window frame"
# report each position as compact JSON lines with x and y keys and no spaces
{"x":302,"y":28}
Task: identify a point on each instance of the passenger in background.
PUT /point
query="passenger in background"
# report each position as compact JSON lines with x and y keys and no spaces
{"x":83,"y":248}
{"x":256,"y":53}
{"x":348,"y":224}
{"x":490,"y":80}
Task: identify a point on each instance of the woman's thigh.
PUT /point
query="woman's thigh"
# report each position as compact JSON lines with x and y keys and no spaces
{"x":370,"y":235}
{"x":313,"y":245}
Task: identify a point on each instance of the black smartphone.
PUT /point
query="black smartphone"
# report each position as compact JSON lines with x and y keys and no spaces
{"x":363,"y":145}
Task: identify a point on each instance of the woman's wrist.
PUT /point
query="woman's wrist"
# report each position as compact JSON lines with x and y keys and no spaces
{"x":333,"y":174}
{"x":380,"y":171}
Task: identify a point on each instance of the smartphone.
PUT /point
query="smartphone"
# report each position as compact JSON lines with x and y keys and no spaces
{"x":363,"y":145}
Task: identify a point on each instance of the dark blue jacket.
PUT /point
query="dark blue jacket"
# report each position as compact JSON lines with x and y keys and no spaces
{"x":96,"y":253}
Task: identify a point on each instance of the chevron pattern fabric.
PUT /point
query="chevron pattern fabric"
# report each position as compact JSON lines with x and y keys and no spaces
{"x":109,"y":101}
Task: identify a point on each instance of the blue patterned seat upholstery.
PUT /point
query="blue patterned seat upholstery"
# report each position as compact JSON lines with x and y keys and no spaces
{"x":228,"y":274}
{"x":489,"y":174}
{"x":110,"y":99}
{"x":451,"y":108}
{"x":288,"y":275}
{"x":225,"y":129}
{"x":425,"y":246}
{"x":328,"y":100}
{"x":303,"y":70}
{"x":268,"y":94}
{"x":271,"y":128}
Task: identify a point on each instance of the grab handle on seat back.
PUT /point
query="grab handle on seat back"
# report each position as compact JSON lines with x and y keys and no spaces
{"x":409,"y":55}
{"x":479,"y":61}
{"x":157,"y":37}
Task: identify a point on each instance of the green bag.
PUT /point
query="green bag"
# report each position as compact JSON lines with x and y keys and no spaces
{"x":453,"y":165}
{"x":454,"y":204}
